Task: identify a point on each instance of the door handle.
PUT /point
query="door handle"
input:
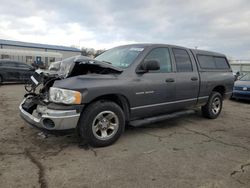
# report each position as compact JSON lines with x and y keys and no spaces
{"x":194,"y":78}
{"x":170,"y":80}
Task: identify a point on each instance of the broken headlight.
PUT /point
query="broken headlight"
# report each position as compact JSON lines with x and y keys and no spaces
{"x":64,"y":96}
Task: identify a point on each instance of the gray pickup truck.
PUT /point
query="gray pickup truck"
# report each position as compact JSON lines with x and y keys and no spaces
{"x":133,"y":84}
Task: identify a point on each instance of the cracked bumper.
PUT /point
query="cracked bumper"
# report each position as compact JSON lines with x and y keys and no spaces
{"x":62,"y":119}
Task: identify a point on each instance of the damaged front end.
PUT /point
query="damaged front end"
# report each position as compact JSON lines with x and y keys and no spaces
{"x":45,"y":112}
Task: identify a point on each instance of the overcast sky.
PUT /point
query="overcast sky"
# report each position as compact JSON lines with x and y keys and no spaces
{"x":218,"y":25}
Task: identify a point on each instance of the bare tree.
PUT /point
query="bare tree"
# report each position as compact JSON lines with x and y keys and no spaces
{"x":91,"y":52}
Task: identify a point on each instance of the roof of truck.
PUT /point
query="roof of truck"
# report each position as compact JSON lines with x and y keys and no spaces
{"x":195,"y":51}
{"x":204,"y":52}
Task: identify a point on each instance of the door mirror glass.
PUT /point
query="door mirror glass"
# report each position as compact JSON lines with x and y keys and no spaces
{"x":149,"y":65}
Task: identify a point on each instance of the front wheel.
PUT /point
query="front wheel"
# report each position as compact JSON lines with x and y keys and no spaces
{"x":213,"y":107}
{"x":101,"y":123}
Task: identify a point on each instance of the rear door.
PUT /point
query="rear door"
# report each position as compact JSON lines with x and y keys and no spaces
{"x":24,"y":71}
{"x":155,"y":90}
{"x":187,"y":78}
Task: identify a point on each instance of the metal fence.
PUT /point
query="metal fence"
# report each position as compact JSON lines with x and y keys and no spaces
{"x":240,"y":65}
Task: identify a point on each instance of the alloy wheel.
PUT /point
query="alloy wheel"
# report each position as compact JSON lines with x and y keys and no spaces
{"x":105,"y":125}
{"x":216,"y":105}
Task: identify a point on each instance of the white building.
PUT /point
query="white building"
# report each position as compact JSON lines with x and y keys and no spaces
{"x":34,"y":52}
{"x":240,"y":65}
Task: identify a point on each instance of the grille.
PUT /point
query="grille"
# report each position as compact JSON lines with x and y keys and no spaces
{"x":241,"y":88}
{"x":237,"y":95}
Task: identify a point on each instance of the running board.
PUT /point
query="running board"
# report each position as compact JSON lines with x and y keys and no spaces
{"x":155,"y":119}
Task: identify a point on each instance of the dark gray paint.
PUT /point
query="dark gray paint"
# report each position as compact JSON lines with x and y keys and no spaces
{"x":160,"y":96}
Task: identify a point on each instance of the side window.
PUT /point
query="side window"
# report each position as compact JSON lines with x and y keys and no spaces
{"x":182,"y":60}
{"x":163,"y":56}
{"x":3,"y":64}
{"x":10,"y":64}
{"x":221,"y":63}
{"x":22,"y":65}
{"x":206,"y":62}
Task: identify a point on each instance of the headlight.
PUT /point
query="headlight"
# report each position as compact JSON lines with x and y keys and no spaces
{"x":64,"y":96}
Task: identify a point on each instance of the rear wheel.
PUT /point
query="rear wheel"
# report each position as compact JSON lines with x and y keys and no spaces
{"x":213,"y":107}
{"x":101,"y":123}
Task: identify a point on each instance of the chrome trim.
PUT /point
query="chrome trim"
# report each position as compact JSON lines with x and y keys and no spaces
{"x":205,"y":97}
{"x":166,"y":103}
{"x":63,"y":119}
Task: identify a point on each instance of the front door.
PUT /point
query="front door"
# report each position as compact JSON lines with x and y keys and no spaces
{"x":155,"y":90}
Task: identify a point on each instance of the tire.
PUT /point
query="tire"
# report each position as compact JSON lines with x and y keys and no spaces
{"x":213,"y":107}
{"x":101,"y":123}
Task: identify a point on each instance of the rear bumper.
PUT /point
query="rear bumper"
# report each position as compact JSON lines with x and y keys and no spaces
{"x":241,"y":95}
{"x":50,"y":119}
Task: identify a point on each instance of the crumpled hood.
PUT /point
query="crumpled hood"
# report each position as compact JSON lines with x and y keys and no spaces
{"x":86,"y":81}
{"x":64,"y":68}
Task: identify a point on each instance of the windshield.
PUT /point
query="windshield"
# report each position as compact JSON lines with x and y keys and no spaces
{"x":245,"y":77}
{"x":120,"y":57}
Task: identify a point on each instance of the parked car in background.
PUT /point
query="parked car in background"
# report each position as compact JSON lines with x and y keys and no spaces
{"x":242,"y":88}
{"x":13,"y":71}
{"x":238,"y":75}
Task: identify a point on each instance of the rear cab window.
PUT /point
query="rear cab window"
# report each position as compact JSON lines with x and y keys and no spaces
{"x":221,"y":63}
{"x":212,"y":62}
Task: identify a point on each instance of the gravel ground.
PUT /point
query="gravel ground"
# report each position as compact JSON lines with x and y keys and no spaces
{"x":186,"y":152}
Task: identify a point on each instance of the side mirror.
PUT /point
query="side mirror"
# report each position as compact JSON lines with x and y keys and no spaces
{"x":149,"y":65}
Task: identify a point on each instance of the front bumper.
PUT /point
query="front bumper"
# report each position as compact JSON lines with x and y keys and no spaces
{"x":49,"y":119}
{"x":237,"y":94}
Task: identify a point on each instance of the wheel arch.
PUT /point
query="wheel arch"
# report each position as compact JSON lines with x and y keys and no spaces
{"x":220,"y":89}
{"x":119,"y":99}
